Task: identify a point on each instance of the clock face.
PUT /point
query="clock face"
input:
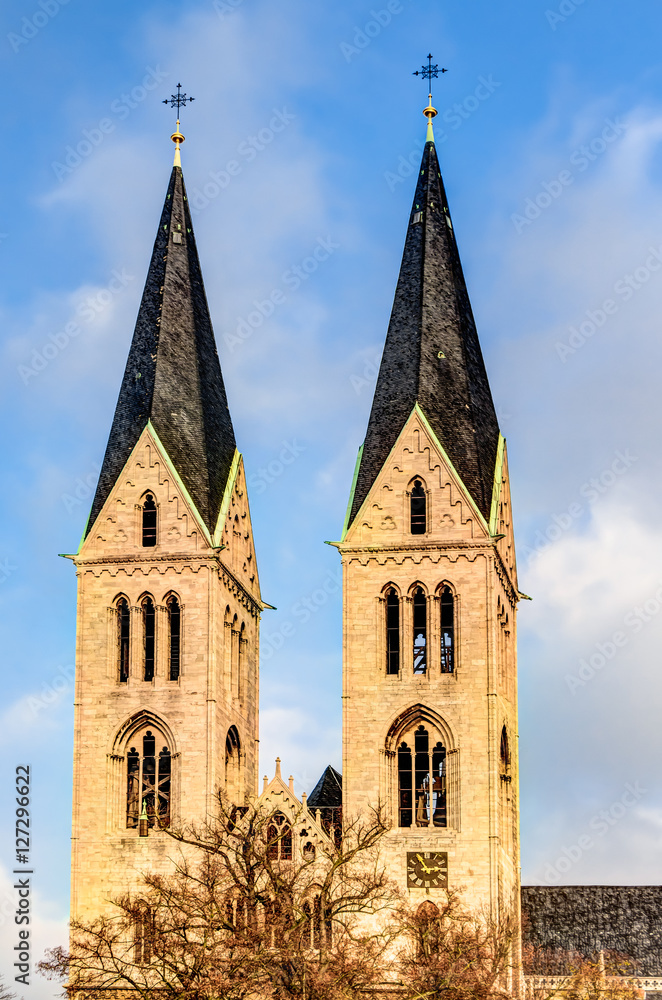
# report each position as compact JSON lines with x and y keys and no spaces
{"x":427,"y":870}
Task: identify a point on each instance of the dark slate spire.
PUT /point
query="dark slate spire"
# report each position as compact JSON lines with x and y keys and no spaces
{"x":432,"y":356}
{"x":327,"y":793}
{"x":173,"y":375}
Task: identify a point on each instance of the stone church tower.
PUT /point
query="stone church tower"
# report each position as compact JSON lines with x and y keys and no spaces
{"x":430,"y":589}
{"x":166,"y":698}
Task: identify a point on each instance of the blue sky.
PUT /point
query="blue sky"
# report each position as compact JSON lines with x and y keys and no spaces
{"x":550,"y":138}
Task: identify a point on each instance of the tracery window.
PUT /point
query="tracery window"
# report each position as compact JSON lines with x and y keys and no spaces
{"x":392,"y":632}
{"x":149,"y":776}
{"x":447,"y":651}
{"x":149,"y":521}
{"x":279,"y":838}
{"x":175,"y":636}
{"x":420,"y":605}
{"x":149,"y":638}
{"x":123,"y":637}
{"x":422,"y":781}
{"x":418,"y":503}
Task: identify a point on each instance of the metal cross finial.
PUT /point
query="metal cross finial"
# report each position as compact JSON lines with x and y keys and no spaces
{"x":178,"y":100}
{"x":430,"y":71}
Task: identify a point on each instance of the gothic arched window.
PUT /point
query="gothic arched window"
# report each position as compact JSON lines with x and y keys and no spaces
{"x":504,"y":751}
{"x":447,"y":651}
{"x":149,"y":776}
{"x":149,"y":638}
{"x":392,"y":632}
{"x":241,"y":660}
{"x":420,"y":604}
{"x":418,"y":504}
{"x":175,"y":637}
{"x":123,"y":637}
{"x":143,"y":935}
{"x":232,"y":764}
{"x":279,"y":838}
{"x":422,"y":780}
{"x":149,"y":521}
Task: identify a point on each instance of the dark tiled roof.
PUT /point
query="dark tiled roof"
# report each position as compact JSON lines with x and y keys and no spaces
{"x":327,"y":793}
{"x":593,"y":918}
{"x":432,"y":315}
{"x":173,"y":375}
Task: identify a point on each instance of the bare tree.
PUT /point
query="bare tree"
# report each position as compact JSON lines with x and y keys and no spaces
{"x":5,"y":992}
{"x":451,"y":952}
{"x":243,"y":915}
{"x":561,"y":973}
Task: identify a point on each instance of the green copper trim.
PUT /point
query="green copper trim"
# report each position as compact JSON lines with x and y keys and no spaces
{"x":496,"y":488}
{"x":351,"y":494}
{"x":227,"y":493}
{"x":84,"y":535}
{"x":429,"y":135}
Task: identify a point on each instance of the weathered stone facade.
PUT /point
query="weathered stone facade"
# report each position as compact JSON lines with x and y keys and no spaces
{"x":469,"y":708}
{"x":215,"y":581}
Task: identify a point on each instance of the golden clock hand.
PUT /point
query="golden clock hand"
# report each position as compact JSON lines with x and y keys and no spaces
{"x":423,"y":863}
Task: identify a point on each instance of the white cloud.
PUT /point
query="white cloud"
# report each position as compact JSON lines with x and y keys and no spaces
{"x":48,"y":928}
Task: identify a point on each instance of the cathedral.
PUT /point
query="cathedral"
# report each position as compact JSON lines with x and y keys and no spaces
{"x":169,"y":606}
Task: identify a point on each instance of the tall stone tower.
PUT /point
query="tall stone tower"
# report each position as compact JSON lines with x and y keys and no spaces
{"x":166,"y":698}
{"x":430,"y":589}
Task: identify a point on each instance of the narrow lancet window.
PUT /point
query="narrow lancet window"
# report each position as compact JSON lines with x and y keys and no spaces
{"x":123,"y":636}
{"x":232,"y":764}
{"x":143,"y":934}
{"x":404,"y":783}
{"x":420,"y":630}
{"x":149,"y":635}
{"x":392,"y":632}
{"x":175,"y":632}
{"x":418,"y":509}
{"x":149,"y":521}
{"x":504,"y":751}
{"x":447,"y":631}
{"x":163,"y":787}
{"x":133,"y":788}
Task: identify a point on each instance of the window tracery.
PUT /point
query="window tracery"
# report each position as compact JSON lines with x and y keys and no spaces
{"x":149,"y":776}
{"x":279,"y":838}
{"x":422,"y":780}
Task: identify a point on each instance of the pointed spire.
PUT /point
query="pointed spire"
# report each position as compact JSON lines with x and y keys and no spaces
{"x":432,"y":355}
{"x":173,"y":375}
